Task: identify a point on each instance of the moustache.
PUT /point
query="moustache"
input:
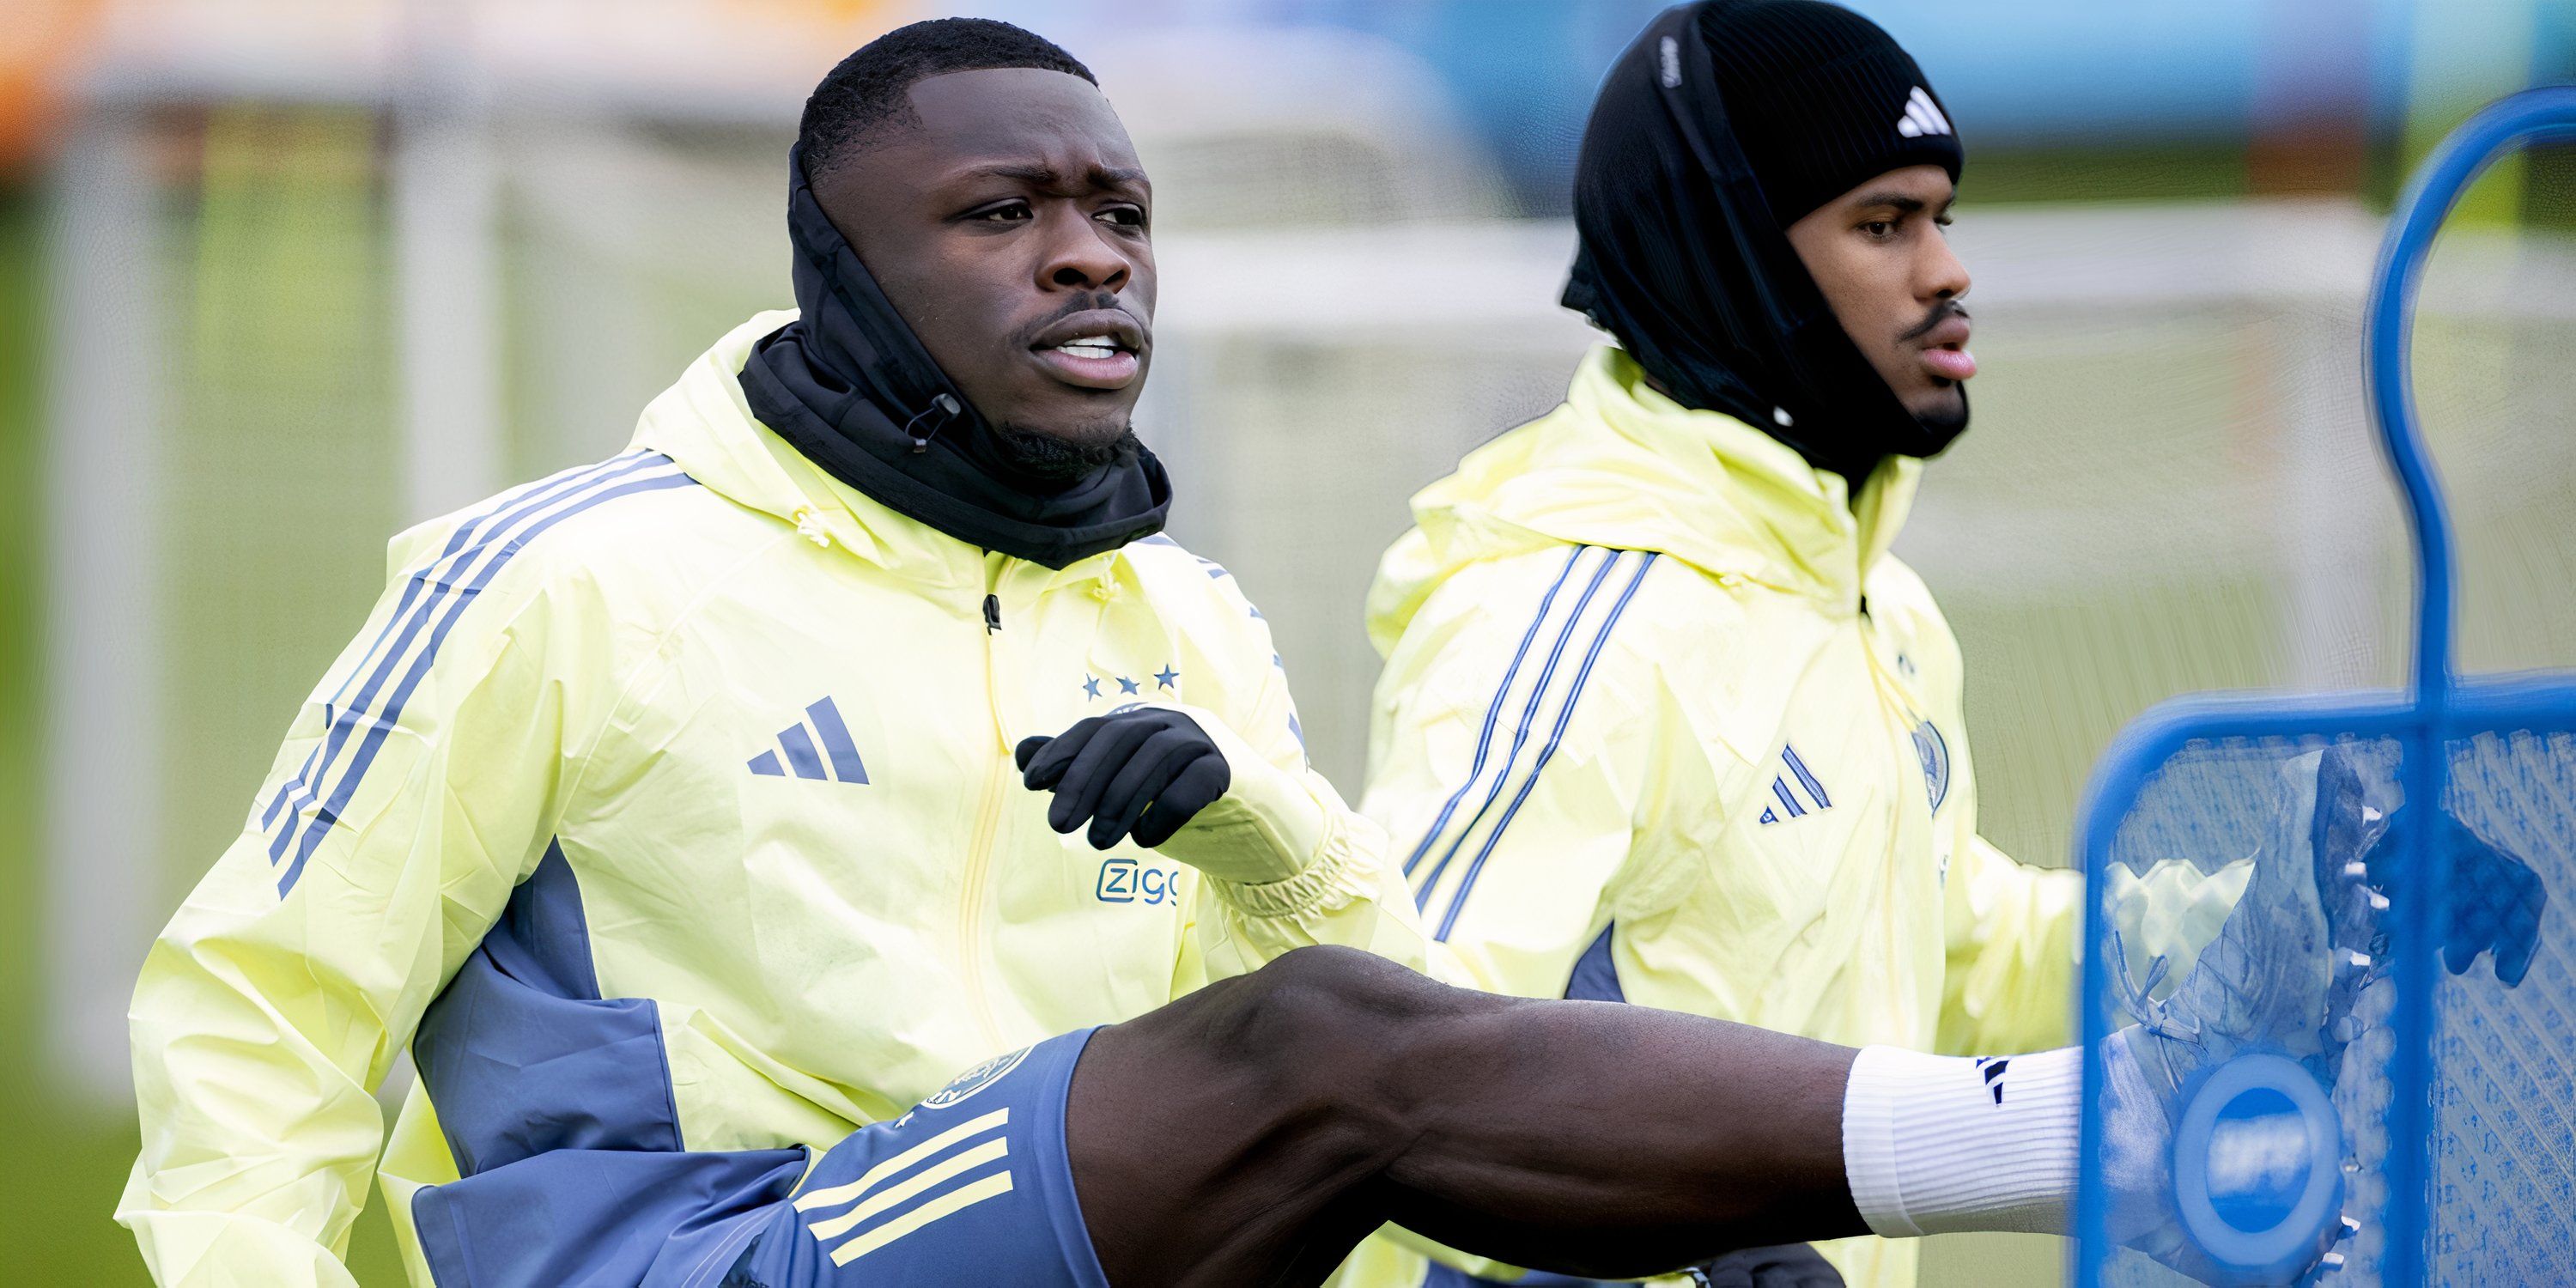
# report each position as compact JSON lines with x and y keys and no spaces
{"x":1086,"y":302}
{"x":1941,"y":312}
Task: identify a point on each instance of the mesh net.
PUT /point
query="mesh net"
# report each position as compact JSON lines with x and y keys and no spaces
{"x":2504,"y":1146}
{"x":2502,"y":1122}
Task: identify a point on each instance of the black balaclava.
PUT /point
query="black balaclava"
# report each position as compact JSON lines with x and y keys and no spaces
{"x":1724,"y":123}
{"x":850,"y":386}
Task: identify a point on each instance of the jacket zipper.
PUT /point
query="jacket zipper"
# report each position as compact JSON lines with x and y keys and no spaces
{"x":979,"y":857}
{"x":1892,"y":688}
{"x":1887,"y":689}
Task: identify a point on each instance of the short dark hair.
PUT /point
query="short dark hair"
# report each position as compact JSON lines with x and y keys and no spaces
{"x":868,"y":89}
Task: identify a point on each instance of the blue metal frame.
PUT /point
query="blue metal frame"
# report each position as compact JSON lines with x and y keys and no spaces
{"x":2438,"y":709}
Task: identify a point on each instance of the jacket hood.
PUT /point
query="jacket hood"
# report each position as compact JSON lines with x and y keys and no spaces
{"x":851,"y":387}
{"x":1623,"y":466}
{"x":1682,"y":259}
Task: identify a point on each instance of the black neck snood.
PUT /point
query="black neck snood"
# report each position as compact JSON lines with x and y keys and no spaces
{"x":1683,"y":259}
{"x":850,"y":386}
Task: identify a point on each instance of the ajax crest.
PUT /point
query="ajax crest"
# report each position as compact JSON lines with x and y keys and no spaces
{"x":1935,"y":755}
{"x":975,"y":1079}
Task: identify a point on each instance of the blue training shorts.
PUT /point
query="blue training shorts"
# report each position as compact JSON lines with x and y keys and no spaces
{"x":572,"y":1171}
{"x":972,"y":1187}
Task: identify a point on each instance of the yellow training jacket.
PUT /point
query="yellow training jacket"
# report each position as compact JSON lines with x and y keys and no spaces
{"x":1662,"y":720}
{"x":740,"y":738}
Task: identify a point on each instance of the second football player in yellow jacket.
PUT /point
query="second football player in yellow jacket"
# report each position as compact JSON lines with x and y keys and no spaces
{"x":1661,"y":718}
{"x":1662,"y":721}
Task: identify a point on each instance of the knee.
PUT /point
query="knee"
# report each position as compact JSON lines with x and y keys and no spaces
{"x":1317,"y":1014}
{"x":1343,"y":988}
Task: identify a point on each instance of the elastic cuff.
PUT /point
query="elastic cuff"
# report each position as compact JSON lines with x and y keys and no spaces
{"x":1326,"y":885}
{"x":1267,"y":829}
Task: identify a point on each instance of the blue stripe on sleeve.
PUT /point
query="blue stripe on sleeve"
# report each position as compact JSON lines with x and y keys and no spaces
{"x":535,"y":496}
{"x":328,"y":814}
{"x":1564,"y":717}
{"x":1493,"y":710}
{"x":443,"y":572}
{"x":1520,"y":734}
{"x":302,"y":772}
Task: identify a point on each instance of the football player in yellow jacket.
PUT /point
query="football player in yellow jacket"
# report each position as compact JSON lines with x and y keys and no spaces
{"x":1661,"y":718}
{"x":687,"y":778}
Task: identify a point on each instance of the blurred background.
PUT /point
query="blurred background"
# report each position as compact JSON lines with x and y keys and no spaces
{"x":281,"y":277}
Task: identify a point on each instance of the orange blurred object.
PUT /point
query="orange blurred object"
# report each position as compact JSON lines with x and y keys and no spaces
{"x":832,"y":14}
{"x":40,"y":47}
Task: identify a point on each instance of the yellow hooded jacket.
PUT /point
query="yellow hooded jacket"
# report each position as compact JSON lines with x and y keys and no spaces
{"x":1661,"y":720}
{"x":744,"y":736}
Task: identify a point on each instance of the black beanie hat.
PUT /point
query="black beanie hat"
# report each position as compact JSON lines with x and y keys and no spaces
{"x":1681,"y":251}
{"x":1821,"y":100}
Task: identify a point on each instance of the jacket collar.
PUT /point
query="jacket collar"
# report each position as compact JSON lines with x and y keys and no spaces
{"x":1621,"y":466}
{"x":1809,"y":515}
{"x":705,"y":424}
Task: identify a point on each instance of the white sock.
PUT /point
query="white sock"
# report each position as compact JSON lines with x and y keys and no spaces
{"x":1935,"y":1144}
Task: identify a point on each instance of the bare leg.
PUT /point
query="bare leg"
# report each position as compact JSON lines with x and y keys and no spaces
{"x":1255,"y":1131}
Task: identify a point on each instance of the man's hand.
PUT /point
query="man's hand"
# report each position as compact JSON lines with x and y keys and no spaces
{"x":2495,"y":899}
{"x":1144,"y":771}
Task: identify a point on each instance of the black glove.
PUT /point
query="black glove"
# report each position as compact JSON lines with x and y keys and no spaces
{"x":1790,"y":1265}
{"x":2496,"y":899}
{"x":1148,"y":770}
